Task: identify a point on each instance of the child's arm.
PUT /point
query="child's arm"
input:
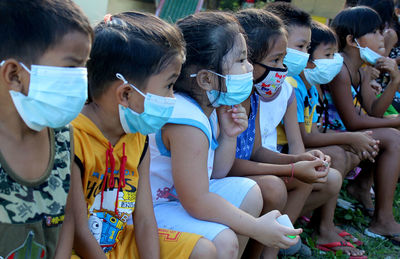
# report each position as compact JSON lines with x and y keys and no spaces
{"x":66,"y":238}
{"x":377,"y":106}
{"x":189,"y":169}
{"x":340,"y":88}
{"x":232,"y":121}
{"x":361,"y":142}
{"x":85,"y":245}
{"x":292,"y":130}
{"x":146,"y":232}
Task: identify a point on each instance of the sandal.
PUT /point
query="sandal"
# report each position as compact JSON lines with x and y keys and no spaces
{"x":345,"y":234}
{"x":391,"y":237}
{"x":328,"y":248}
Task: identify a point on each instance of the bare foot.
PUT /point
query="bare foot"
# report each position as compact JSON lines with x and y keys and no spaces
{"x":330,"y":236}
{"x":363,"y":196}
{"x":388,"y":228}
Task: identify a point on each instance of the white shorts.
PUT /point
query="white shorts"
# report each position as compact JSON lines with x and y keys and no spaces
{"x":171,"y":214}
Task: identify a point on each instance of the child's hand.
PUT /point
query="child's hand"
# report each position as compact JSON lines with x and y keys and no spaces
{"x":377,"y":88}
{"x":364,"y":145}
{"x":366,"y":74}
{"x":315,"y":171}
{"x":389,"y":65}
{"x":375,"y":73}
{"x":272,"y":234}
{"x":232,"y":120}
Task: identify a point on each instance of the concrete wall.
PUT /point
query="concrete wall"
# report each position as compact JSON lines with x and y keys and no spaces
{"x":324,"y":8}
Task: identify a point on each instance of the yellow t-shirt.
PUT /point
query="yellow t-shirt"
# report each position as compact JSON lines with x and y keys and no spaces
{"x":111,"y":206}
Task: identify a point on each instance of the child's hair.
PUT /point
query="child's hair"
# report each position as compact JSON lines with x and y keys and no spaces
{"x":320,"y":34}
{"x":385,"y":9}
{"x":209,"y":36}
{"x":137,"y":45}
{"x":28,"y":28}
{"x":355,"y":21}
{"x":263,"y":29}
{"x":290,"y":14}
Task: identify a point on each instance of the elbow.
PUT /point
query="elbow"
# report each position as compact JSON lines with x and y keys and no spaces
{"x":195,"y":208}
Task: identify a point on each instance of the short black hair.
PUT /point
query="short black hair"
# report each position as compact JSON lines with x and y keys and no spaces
{"x":28,"y":28}
{"x":290,"y":14}
{"x":385,"y":9}
{"x":356,"y":21}
{"x":262,"y":29}
{"x":320,"y":34}
{"x":137,"y":45}
{"x":209,"y":36}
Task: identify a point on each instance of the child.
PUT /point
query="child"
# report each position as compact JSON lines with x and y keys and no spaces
{"x":297,"y":23}
{"x":43,"y":83}
{"x":345,"y":148}
{"x":134,"y":63}
{"x":359,"y":36}
{"x":189,"y":151}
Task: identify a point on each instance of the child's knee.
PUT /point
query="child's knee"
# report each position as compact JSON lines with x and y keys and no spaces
{"x":253,"y":202}
{"x":227,"y":244}
{"x":274,"y":191}
{"x":334,"y":182}
{"x":204,"y":249}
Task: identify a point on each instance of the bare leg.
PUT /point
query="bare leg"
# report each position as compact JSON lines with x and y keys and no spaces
{"x":251,"y":204}
{"x":385,"y":178}
{"x":274,"y":194}
{"x":204,"y":249}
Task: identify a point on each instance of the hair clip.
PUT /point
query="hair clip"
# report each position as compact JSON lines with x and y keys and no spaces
{"x":2,"y":63}
{"x":107,"y":18}
{"x":192,"y":75}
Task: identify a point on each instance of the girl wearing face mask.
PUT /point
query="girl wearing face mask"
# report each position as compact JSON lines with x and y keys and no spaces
{"x":359,"y":36}
{"x":266,"y":107}
{"x":194,"y":152}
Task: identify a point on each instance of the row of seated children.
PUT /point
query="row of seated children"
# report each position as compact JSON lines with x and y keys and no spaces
{"x":217,"y":124}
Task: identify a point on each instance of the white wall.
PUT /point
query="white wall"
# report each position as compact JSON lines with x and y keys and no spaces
{"x":94,"y":9}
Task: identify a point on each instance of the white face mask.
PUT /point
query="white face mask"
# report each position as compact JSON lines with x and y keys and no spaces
{"x":367,"y":54}
{"x":325,"y":70}
{"x":56,"y":96}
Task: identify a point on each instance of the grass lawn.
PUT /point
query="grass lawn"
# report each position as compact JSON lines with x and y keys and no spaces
{"x":355,"y":223}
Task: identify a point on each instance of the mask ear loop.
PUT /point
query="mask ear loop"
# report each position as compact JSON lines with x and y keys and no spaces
{"x":215,"y":73}
{"x":358,"y":45}
{"x":121,"y":77}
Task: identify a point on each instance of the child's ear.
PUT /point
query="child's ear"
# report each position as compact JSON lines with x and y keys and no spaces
{"x":205,"y":80}
{"x":123,"y":93}
{"x":14,"y":75}
{"x":350,"y":41}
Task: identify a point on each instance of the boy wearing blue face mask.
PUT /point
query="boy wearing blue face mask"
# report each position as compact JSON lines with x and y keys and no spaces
{"x":43,"y":86}
{"x":133,"y":65}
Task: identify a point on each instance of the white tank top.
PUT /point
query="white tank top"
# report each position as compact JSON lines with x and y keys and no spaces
{"x":186,"y":112}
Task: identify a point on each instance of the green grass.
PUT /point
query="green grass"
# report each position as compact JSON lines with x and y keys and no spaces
{"x":355,"y":222}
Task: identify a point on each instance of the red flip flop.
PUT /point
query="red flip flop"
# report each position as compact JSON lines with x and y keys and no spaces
{"x":328,"y":248}
{"x":344,"y":234}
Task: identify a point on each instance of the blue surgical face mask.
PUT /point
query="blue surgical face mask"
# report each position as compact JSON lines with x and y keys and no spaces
{"x":325,"y":70}
{"x":157,"y":111}
{"x":270,"y":82}
{"x":367,"y":54}
{"x":56,"y":96}
{"x":238,"y":89}
{"x":295,"y":61}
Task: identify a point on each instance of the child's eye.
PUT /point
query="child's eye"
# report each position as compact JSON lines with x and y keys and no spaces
{"x":171,"y":85}
{"x":243,"y":60}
